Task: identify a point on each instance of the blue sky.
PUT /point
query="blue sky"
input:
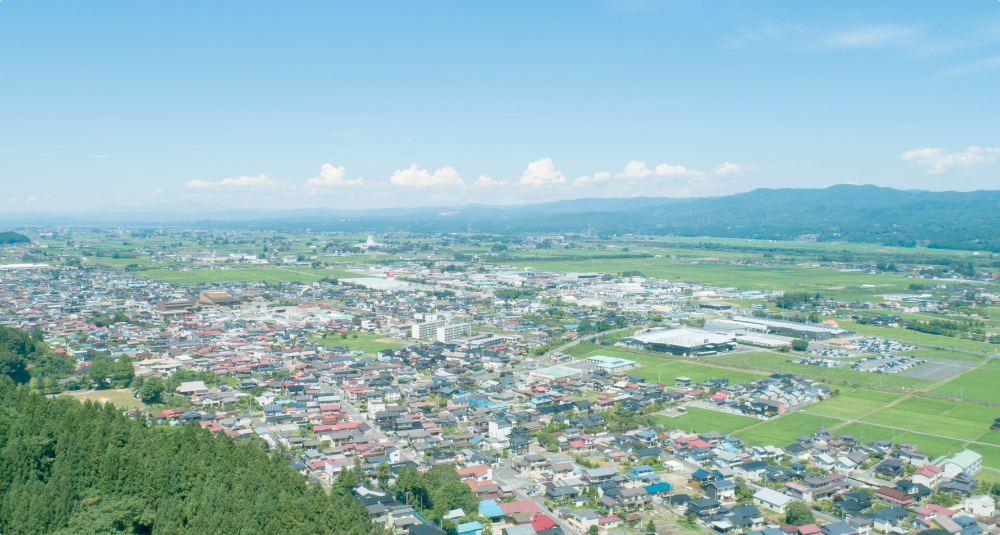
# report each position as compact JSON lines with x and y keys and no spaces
{"x":306,"y":104}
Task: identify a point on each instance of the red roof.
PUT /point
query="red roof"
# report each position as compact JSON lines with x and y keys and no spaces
{"x":523,"y":506}
{"x":541,"y":522}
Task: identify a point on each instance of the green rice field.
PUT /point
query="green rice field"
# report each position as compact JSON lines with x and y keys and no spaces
{"x":702,"y":420}
{"x":982,"y":384}
{"x":782,"y":431}
{"x":854,"y":403}
{"x":938,"y":416}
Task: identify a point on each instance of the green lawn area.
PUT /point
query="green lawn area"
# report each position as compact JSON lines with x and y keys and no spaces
{"x":772,"y":362}
{"x":932,"y":446}
{"x":122,"y":397}
{"x":665,"y":373}
{"x":268,"y":274}
{"x":369,"y":343}
{"x":938,"y":417}
{"x":853,"y":403}
{"x":982,"y":384}
{"x":703,"y":420}
{"x":782,"y":431}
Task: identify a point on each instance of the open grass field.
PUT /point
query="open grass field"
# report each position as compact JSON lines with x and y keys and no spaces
{"x":854,"y":403}
{"x":269,"y":274}
{"x":665,"y":373}
{"x":773,"y":362}
{"x":703,"y":420}
{"x":937,"y":416}
{"x":122,"y":397}
{"x":782,"y":431}
{"x":982,"y":383}
{"x":369,"y":343}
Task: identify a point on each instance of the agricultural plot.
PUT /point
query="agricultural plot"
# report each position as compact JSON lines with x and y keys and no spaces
{"x":854,"y":403}
{"x":702,"y":420}
{"x":937,"y":417}
{"x":782,"y":431}
{"x":982,"y":384}
{"x":665,"y":373}
{"x":991,"y":455}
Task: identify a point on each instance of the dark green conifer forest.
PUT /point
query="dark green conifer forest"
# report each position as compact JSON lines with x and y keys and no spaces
{"x":69,"y":468}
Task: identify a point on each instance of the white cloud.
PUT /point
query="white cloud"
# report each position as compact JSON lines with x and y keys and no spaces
{"x":599,"y":176}
{"x":634,"y":169}
{"x":487,"y":182}
{"x":728,"y":169}
{"x":875,"y":36}
{"x":256,"y":182}
{"x":329,"y":177}
{"x":939,"y":162}
{"x":665,"y":169}
{"x":420,"y":178}
{"x":542,"y":172}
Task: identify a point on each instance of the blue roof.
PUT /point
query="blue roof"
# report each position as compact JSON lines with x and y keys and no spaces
{"x":470,"y":527}
{"x":659,"y":487}
{"x":489,"y":509}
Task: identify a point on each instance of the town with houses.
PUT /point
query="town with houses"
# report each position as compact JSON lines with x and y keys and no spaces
{"x":465,"y":375}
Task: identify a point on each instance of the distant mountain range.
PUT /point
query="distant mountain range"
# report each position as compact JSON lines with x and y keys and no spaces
{"x":963,"y":220}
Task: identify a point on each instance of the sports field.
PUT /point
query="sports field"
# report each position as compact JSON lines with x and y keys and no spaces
{"x":854,"y":403}
{"x":369,"y":343}
{"x":702,"y":420}
{"x":938,"y":417}
{"x":782,"y":431}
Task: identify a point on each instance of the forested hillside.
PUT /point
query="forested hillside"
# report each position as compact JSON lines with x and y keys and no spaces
{"x":72,"y":468}
{"x":23,"y":357}
{"x":8,"y":237}
{"x":840,"y":213}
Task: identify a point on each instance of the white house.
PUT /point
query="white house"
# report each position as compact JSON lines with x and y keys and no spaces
{"x":773,"y":500}
{"x":980,"y":505}
{"x":499,"y":429}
